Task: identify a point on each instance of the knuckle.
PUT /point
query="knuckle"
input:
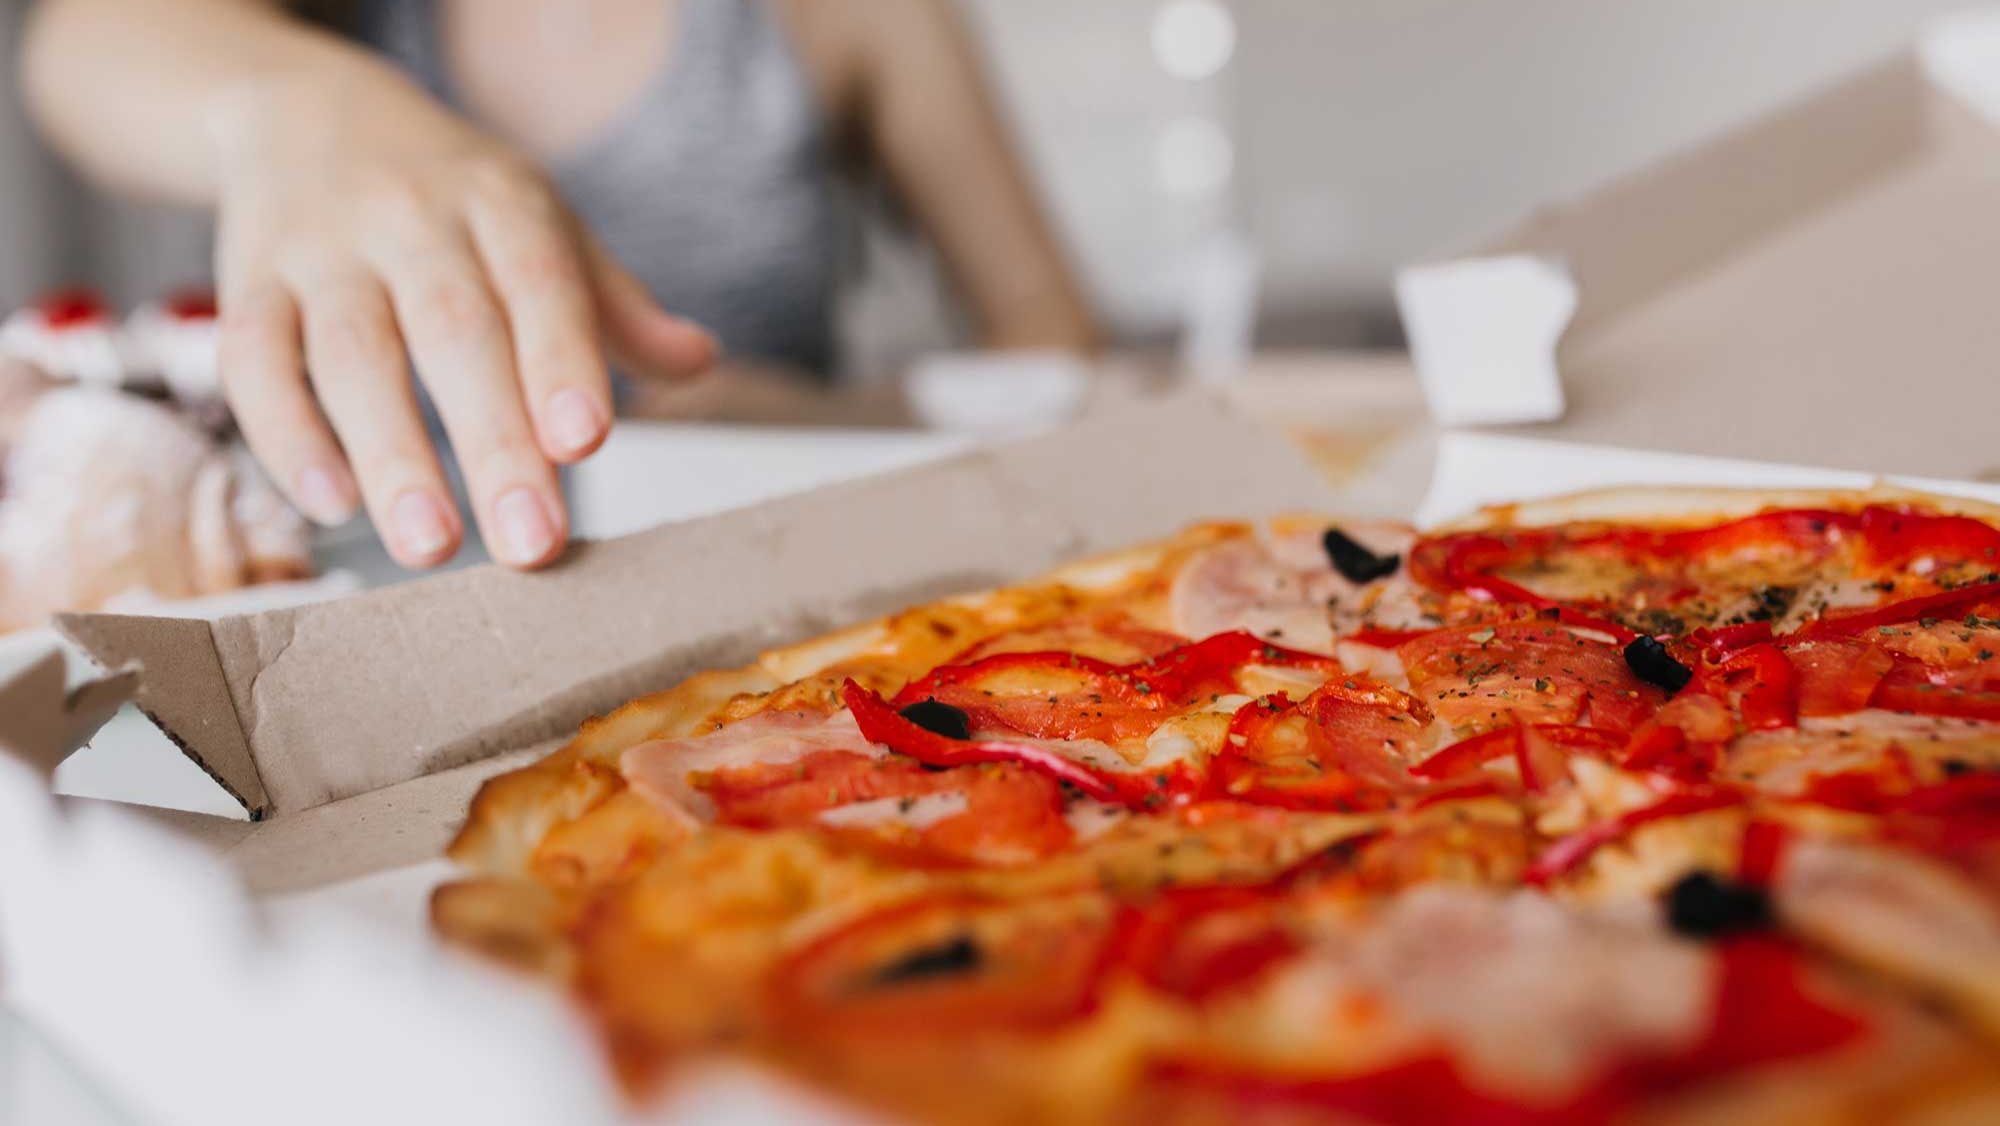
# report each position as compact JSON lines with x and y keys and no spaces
{"x":452,"y":308}
{"x":351,"y":337}
{"x":397,"y":202}
{"x":547,"y":269}
{"x":511,"y":187}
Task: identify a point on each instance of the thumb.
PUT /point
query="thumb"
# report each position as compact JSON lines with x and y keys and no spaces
{"x":642,"y":338}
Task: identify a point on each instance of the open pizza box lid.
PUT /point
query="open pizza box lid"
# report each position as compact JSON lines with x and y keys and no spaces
{"x":1761,"y":295}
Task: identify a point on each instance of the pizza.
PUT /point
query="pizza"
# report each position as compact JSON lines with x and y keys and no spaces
{"x":1641,"y":805}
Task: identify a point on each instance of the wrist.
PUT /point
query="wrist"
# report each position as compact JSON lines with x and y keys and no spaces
{"x":297,"y":102}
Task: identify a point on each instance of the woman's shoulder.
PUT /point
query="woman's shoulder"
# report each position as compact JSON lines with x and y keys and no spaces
{"x":847,"y":47}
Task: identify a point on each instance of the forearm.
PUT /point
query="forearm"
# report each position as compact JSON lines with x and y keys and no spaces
{"x":158,"y":97}
{"x":935,"y":124}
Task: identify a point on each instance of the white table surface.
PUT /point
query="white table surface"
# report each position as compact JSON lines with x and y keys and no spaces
{"x":649,"y":473}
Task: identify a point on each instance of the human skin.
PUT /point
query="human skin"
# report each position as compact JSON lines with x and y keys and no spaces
{"x":363,"y":226}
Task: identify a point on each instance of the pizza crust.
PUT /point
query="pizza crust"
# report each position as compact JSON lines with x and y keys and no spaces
{"x":1676,"y":504}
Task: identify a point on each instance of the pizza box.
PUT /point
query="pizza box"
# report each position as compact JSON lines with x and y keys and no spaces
{"x":1813,"y":288}
{"x":210,"y":969}
{"x":206,"y":969}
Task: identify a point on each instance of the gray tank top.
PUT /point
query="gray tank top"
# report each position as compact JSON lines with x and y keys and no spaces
{"x":714,"y":186}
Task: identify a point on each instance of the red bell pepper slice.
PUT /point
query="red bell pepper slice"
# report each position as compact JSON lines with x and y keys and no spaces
{"x":881,"y":723}
{"x":1479,"y":749}
{"x":1566,"y":854}
{"x":1466,"y":754}
{"x":1724,"y":642}
{"x":1897,"y":536}
{"x":1762,"y":852}
{"x":1184,"y":673}
{"x":1760,"y":681}
{"x":1943,"y":604}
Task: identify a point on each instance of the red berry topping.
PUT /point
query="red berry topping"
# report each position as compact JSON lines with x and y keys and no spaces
{"x":191,"y":305}
{"x":74,"y":308}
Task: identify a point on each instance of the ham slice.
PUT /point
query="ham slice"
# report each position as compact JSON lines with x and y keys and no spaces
{"x":1283,"y":589}
{"x":1470,"y":969}
{"x":1910,"y":918}
{"x":661,"y":770}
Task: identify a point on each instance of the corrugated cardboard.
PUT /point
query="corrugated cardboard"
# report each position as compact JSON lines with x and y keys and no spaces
{"x":359,"y":730}
{"x":355,"y":731}
{"x":1817,"y":287}
{"x":50,"y":704}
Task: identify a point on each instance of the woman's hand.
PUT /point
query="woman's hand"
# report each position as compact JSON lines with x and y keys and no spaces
{"x":365,"y":230}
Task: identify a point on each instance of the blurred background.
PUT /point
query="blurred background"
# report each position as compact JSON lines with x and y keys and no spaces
{"x":1309,"y":145}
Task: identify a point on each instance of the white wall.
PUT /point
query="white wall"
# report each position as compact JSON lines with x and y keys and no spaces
{"x":1371,"y":132}
{"x":1368,"y":132}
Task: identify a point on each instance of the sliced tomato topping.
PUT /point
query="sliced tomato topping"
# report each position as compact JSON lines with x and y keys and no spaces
{"x":1046,"y":695}
{"x":1533,"y":672}
{"x":1341,"y":748}
{"x":1837,"y":676}
{"x":1920,"y":691}
{"x":949,"y":965}
{"x":977,"y":814}
{"x":1684,"y":739}
{"x":1197,"y":943}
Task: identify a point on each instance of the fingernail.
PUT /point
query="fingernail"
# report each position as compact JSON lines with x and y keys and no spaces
{"x":422,"y":529}
{"x":575,"y":421}
{"x":526,"y":534}
{"x":321,"y":497}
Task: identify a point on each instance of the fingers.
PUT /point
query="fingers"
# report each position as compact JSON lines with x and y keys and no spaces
{"x":645,"y":339}
{"x":264,"y":379}
{"x":464,"y":353}
{"x":356,"y":363}
{"x":536,"y":272}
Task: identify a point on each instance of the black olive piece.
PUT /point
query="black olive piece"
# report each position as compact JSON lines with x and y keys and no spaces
{"x":939,"y":719}
{"x":1701,"y":905}
{"x":958,"y":955}
{"x":1356,"y":563}
{"x":1650,"y":662}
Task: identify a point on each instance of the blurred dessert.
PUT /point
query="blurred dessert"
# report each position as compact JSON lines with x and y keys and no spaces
{"x":70,"y":334}
{"x":106,"y":495}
